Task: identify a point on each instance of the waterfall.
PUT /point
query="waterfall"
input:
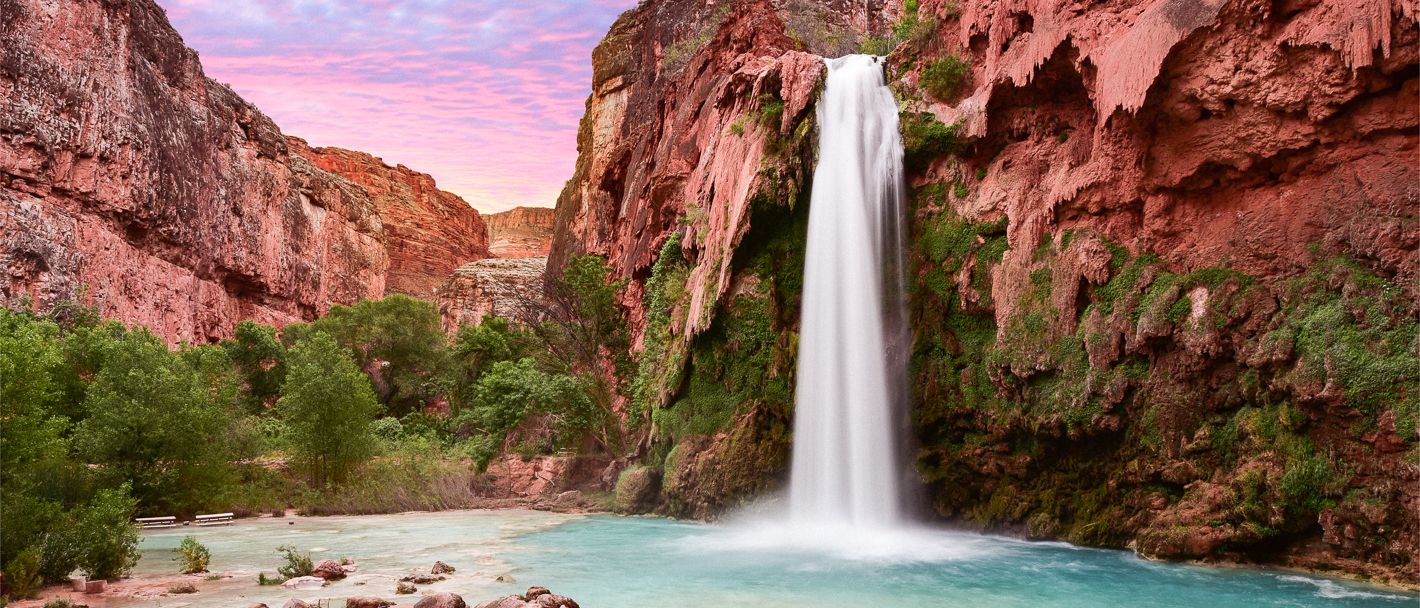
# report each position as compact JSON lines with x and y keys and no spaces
{"x":846,"y":466}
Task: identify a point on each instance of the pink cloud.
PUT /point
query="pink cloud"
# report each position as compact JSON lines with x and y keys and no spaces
{"x":483,"y":96}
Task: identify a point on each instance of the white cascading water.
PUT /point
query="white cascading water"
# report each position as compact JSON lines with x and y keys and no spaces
{"x":846,"y":467}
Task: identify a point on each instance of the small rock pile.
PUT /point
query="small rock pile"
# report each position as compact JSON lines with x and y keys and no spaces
{"x":536,"y":597}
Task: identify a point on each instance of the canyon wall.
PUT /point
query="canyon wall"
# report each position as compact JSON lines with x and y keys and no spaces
{"x":1164,"y":262}
{"x":521,"y":232}
{"x":131,"y":181}
{"x":428,"y":232}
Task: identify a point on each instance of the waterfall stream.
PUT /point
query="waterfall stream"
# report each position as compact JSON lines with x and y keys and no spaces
{"x":846,"y":467}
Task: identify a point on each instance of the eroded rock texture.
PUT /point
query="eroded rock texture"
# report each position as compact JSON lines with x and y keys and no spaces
{"x":1180,"y":235}
{"x":497,"y":286}
{"x":429,"y":232}
{"x":521,"y":232}
{"x":129,"y":179}
{"x":1164,"y":260}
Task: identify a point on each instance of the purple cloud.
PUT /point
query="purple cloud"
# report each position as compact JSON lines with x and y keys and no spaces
{"x":483,"y":95}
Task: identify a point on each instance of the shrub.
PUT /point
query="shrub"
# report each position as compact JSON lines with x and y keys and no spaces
{"x":110,"y":539}
{"x":944,"y":77}
{"x":267,"y":581}
{"x":388,"y":429}
{"x":183,"y":588}
{"x":297,"y":563}
{"x":193,"y":555}
{"x":22,"y":578}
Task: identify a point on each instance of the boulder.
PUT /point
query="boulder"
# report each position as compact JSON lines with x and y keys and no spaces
{"x":636,"y":490}
{"x":441,"y":600}
{"x":551,"y":600}
{"x":367,"y":602}
{"x":258,"y":605}
{"x":295,"y":603}
{"x":95,"y":586}
{"x":305,"y":583}
{"x":419,"y":578}
{"x":441,"y":568}
{"x":536,"y":597}
{"x":404,"y":588}
{"x":329,"y":569}
{"x":511,"y":601}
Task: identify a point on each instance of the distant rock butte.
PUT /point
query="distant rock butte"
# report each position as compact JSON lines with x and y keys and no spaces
{"x":520,"y":232}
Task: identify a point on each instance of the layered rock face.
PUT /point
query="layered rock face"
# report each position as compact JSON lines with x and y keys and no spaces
{"x":495,"y":286}
{"x":1164,"y":260}
{"x":521,"y":232}
{"x":130,"y":180}
{"x":429,"y":232}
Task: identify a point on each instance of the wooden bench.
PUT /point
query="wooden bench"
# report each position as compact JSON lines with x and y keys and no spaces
{"x":214,"y":519}
{"x":157,"y":522}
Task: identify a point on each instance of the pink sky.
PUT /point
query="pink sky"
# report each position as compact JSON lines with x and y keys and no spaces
{"x":484,"y":95}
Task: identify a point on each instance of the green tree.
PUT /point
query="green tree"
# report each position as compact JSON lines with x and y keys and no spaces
{"x":32,"y":444}
{"x":328,"y":405}
{"x":152,"y":419}
{"x":86,"y":349}
{"x":476,"y":348}
{"x":585,"y":335}
{"x":398,"y":340}
{"x":261,"y":360}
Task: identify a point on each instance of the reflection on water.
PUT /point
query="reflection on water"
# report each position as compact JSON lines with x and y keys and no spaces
{"x":610,"y":562}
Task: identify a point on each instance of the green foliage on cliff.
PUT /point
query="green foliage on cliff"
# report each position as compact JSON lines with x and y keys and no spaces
{"x":1094,"y":410}
{"x":944,"y":77}
{"x":661,"y":361}
{"x":910,"y":28}
{"x":924,"y":139}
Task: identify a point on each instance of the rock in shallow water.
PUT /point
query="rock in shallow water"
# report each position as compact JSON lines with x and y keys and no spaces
{"x":441,"y":600}
{"x":305,"y":583}
{"x":329,"y":569}
{"x":441,"y":568}
{"x":367,"y":602}
{"x":536,"y":597}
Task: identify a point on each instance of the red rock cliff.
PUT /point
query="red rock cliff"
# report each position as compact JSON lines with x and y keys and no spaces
{"x":429,"y":232}
{"x":129,"y":178}
{"x":521,"y":232}
{"x":1126,"y":232}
